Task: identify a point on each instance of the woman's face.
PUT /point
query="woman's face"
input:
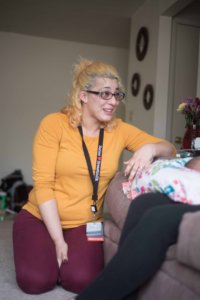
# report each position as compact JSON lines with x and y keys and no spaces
{"x":97,"y":108}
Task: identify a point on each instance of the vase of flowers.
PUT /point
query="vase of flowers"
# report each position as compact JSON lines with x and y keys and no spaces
{"x":190,"y":108}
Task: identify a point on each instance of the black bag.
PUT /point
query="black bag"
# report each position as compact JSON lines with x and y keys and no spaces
{"x":8,"y":181}
{"x":16,"y":190}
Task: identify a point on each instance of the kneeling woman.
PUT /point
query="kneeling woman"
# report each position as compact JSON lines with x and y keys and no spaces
{"x":75,"y":155}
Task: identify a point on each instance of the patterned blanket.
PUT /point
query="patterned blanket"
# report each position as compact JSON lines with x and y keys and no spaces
{"x":170,"y":177}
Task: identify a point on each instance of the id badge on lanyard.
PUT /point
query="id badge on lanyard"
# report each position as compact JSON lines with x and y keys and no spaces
{"x":94,"y":230}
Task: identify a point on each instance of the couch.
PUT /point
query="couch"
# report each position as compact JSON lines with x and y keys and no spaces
{"x":179,"y":275}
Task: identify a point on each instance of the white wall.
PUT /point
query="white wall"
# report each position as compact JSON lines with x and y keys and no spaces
{"x":155,"y":67}
{"x":35,"y":75}
{"x":162,"y":77}
{"x":148,"y":16}
{"x":171,"y":7}
{"x":198,"y":75}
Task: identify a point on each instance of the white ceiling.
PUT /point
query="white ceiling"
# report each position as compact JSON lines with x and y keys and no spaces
{"x":104,"y":22}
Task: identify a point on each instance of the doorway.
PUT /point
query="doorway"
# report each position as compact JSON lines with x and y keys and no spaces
{"x":183,"y":75}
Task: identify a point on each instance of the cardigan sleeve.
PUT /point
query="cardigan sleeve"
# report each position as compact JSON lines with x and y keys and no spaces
{"x":45,"y":151}
{"x":134,"y":137}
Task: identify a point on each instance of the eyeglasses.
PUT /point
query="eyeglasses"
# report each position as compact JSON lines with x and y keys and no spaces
{"x":107,"y":95}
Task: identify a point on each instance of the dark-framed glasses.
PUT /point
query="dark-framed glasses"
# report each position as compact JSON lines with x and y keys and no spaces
{"x":107,"y":95}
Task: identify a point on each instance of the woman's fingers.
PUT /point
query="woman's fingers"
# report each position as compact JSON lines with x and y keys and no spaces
{"x":140,"y":160}
{"x":134,"y":167}
{"x":65,"y":257}
{"x":62,"y":253}
{"x":59,"y":262}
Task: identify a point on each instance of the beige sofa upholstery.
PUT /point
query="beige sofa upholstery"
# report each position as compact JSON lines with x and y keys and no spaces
{"x":179,"y":275}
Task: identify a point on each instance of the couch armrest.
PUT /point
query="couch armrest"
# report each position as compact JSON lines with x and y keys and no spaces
{"x":116,"y":201}
{"x":188,"y":245}
{"x":112,"y":235}
{"x":111,"y":231}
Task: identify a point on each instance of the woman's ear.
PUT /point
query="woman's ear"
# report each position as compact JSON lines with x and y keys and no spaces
{"x":83,"y":96}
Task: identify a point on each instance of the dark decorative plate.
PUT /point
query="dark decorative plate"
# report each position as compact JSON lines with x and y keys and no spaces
{"x":142,"y":42}
{"x":148,"y":96}
{"x":135,"y":84}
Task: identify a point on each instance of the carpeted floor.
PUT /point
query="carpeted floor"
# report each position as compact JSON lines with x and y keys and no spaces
{"x":8,"y":287}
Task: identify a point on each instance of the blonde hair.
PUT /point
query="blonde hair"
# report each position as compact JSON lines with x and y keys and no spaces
{"x":85,"y":74}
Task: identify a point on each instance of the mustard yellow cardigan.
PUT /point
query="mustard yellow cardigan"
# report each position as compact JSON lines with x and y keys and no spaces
{"x":60,"y":171}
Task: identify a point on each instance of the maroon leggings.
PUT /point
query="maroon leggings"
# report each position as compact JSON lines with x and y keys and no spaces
{"x":35,"y":259}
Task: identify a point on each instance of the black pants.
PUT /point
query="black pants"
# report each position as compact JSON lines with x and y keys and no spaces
{"x":150,"y":228}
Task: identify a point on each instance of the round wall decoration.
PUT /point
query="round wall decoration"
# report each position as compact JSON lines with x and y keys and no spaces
{"x":148,"y":96}
{"x":142,"y":42}
{"x":135,"y":84}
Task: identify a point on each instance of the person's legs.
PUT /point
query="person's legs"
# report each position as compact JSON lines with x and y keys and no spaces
{"x":140,"y":255}
{"x":138,"y":207}
{"x":85,"y":260}
{"x":34,"y":255}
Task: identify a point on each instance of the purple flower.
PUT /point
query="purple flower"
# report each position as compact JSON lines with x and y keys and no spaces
{"x":190,"y":107}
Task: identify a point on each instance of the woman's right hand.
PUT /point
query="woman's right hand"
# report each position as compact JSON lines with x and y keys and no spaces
{"x":50,"y":216}
{"x":61,"y":251}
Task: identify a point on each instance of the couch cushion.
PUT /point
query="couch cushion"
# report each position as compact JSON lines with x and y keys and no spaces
{"x":187,"y":276}
{"x":188,"y":246}
{"x":112,"y":231}
{"x":115,"y":195}
{"x":112,"y":236}
{"x":164,"y":286}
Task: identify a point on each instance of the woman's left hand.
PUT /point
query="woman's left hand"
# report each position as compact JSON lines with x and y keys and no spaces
{"x":140,"y":160}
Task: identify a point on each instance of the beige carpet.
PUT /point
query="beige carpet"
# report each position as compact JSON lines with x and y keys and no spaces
{"x":8,"y":287}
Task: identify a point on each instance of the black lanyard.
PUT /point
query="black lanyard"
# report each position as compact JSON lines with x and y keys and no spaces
{"x":94,"y":177}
